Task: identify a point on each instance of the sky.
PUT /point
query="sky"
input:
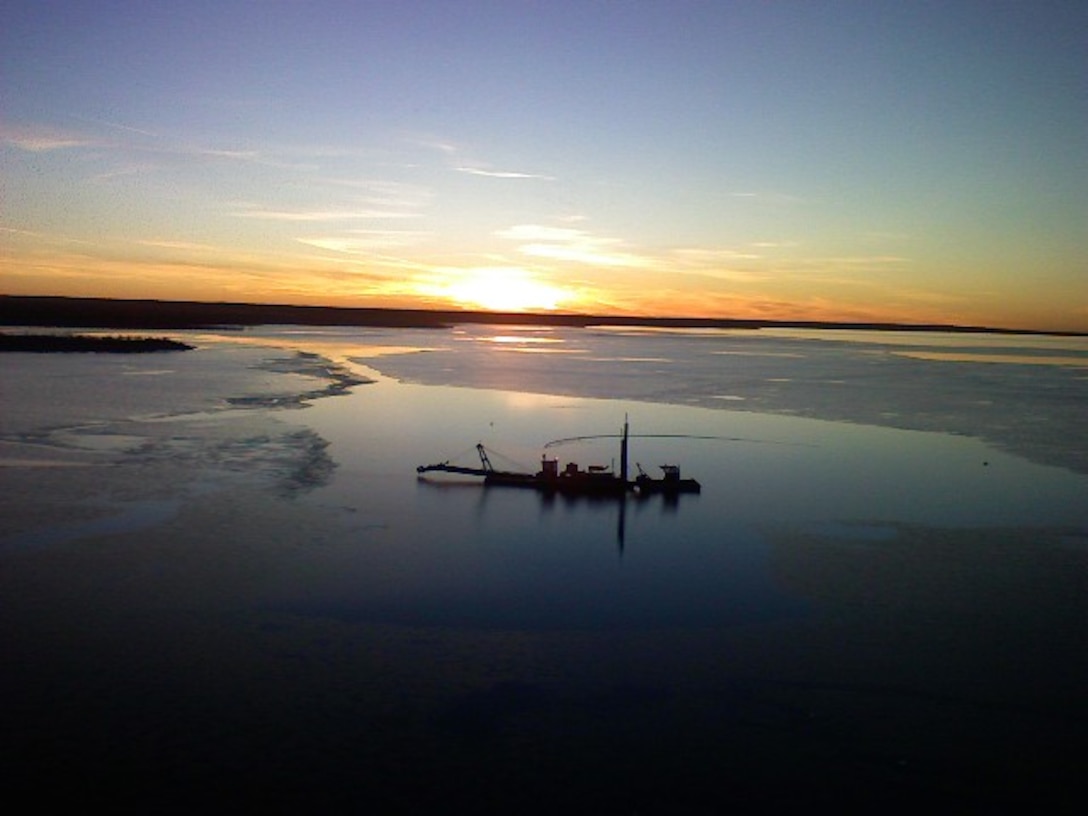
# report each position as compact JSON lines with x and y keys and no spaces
{"x":894,"y":161}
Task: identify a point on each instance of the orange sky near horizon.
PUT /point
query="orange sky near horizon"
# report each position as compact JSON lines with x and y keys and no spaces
{"x":212,"y":275}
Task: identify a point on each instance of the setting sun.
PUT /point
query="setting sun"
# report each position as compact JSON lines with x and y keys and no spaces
{"x":502,"y":289}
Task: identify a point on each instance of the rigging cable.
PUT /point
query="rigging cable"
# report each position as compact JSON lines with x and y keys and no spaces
{"x":566,"y":440}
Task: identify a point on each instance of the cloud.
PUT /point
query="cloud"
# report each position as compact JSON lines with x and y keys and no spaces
{"x":239,"y":155}
{"x":187,"y":246}
{"x":40,"y":138}
{"x":43,"y":239}
{"x":24,"y":233}
{"x":583,"y":254}
{"x":343,"y":202}
{"x":566,"y":244}
{"x":540,"y":232}
{"x":114,"y":125}
{"x":457,"y":160}
{"x":133,"y":149}
{"x":322,"y":215}
{"x":477,"y":171}
{"x":703,"y":257}
{"x":364,"y":242}
{"x":442,"y":146}
{"x":930,"y":296}
{"x":385,"y":195}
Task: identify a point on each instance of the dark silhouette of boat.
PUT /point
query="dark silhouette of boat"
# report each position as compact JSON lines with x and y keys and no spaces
{"x":595,"y":480}
{"x":669,"y":483}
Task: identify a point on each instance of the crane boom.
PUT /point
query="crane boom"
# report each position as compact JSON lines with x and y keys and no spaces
{"x":445,"y":467}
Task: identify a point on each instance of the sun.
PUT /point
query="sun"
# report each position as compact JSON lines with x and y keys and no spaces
{"x":503,"y":289}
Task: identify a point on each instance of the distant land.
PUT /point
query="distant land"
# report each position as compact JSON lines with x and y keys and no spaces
{"x":78,"y":343}
{"x":22,"y":310}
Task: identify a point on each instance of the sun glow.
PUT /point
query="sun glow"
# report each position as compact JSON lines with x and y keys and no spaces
{"x":501,"y":289}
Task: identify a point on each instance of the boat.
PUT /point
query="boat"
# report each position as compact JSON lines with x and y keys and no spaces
{"x":670,"y":483}
{"x":573,"y":480}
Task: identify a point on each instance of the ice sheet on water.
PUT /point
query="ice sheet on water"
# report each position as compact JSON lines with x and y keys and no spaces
{"x":159,"y":431}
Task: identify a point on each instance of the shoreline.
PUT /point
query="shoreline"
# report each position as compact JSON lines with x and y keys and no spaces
{"x":87,"y":344}
{"x":28,"y":310}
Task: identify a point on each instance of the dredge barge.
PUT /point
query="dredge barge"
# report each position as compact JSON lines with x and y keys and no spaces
{"x":595,"y":480}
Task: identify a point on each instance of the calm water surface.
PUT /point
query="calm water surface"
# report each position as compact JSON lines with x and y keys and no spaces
{"x":878,"y":599}
{"x":506,"y":557}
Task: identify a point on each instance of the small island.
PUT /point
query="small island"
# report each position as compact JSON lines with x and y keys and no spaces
{"x":73,"y":343}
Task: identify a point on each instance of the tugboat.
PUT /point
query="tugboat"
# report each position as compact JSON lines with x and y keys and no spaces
{"x":596,"y":480}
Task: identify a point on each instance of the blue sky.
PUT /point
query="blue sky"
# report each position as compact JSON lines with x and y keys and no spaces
{"x":854,"y":160}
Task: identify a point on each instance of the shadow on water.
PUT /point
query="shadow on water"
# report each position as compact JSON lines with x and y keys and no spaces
{"x":669,"y":503}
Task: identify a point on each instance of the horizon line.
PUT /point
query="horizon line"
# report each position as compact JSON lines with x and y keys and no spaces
{"x":167,"y":316}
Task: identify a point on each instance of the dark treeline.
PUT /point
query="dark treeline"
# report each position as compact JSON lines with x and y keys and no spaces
{"x":18,"y":310}
{"x":55,"y":343}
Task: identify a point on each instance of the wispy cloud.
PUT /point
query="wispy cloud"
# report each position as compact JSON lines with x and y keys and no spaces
{"x":542,"y":232}
{"x":573,"y":245}
{"x":460,"y":160}
{"x":719,"y":264}
{"x":435,"y":143}
{"x":503,"y":174}
{"x":41,"y":238}
{"x":40,"y":138}
{"x":365,"y":242}
{"x":704,"y":257}
{"x":383,"y":194}
{"x":565,"y":243}
{"x":185,"y":246}
{"x":930,"y":296}
{"x":322,"y":215}
{"x":238,"y":155}
{"x":114,"y":125}
{"x":126,"y":143}
{"x":773,"y":244}
{"x":24,"y":233}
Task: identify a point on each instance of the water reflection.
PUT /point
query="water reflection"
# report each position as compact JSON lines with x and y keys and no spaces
{"x":552,"y":502}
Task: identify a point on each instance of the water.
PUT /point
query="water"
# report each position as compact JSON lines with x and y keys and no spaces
{"x":877,"y":597}
{"x":565,"y":560}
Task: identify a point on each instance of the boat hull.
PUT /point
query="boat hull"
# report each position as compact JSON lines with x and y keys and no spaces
{"x":648,"y":487}
{"x":580,"y":485}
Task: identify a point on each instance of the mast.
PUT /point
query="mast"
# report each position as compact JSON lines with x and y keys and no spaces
{"x":623,"y":452}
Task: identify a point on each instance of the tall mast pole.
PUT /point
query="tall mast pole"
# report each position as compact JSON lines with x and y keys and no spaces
{"x":623,"y":452}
